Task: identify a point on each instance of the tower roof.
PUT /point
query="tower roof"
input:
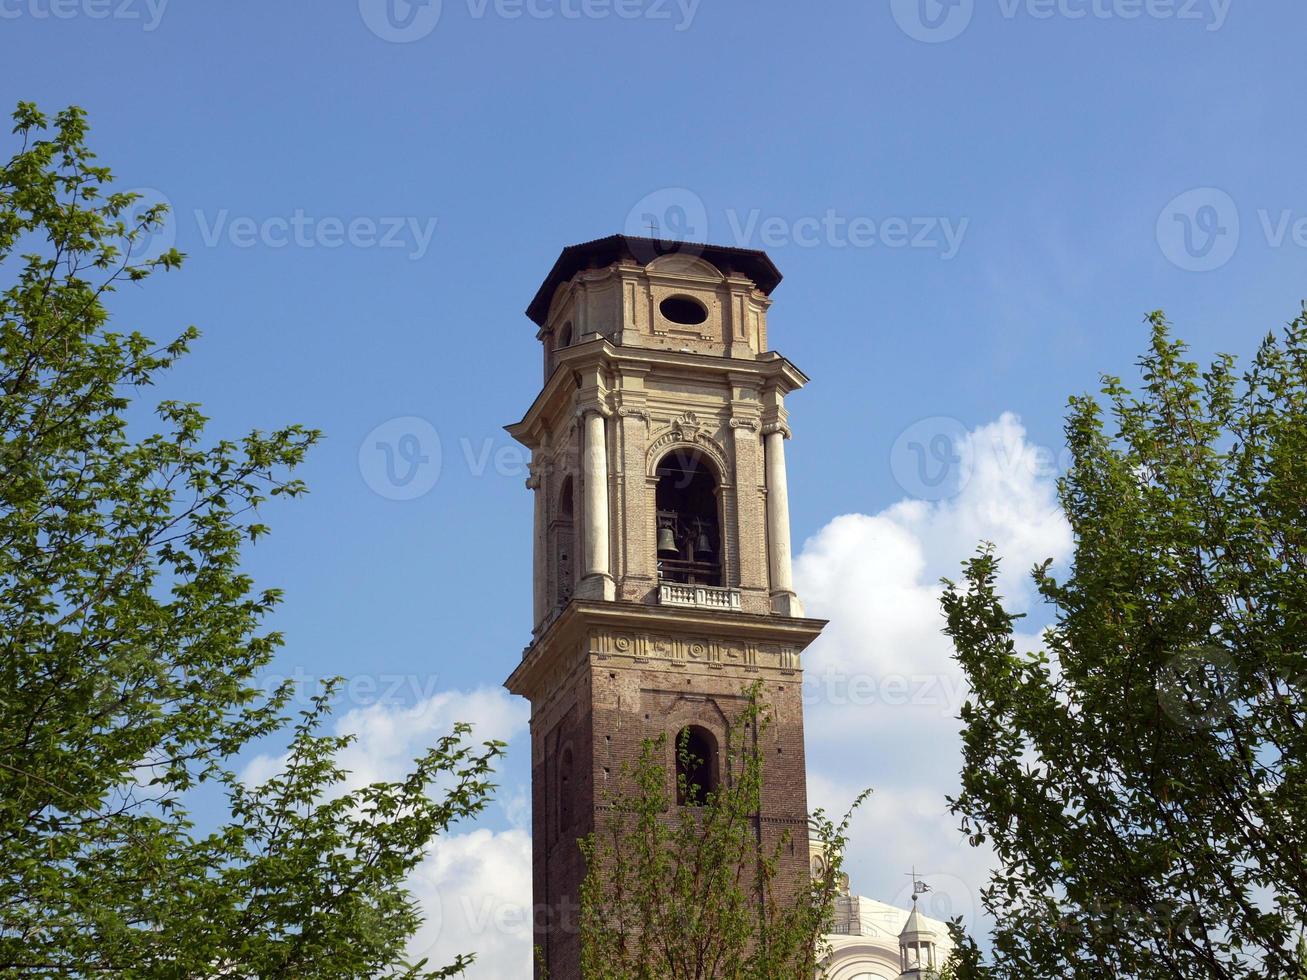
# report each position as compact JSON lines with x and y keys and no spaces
{"x":605,"y":251}
{"x":915,"y":926}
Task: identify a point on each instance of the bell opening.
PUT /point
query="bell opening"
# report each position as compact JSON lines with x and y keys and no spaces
{"x":689,"y":534}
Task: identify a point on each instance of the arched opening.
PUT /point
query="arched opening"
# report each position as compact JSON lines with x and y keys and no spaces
{"x":562,"y":540}
{"x":564,"y":336}
{"x":689,"y":532}
{"x":696,"y":766}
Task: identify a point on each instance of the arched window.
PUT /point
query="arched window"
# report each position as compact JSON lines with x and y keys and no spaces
{"x":564,"y":336}
{"x":689,"y":533}
{"x":696,"y":766}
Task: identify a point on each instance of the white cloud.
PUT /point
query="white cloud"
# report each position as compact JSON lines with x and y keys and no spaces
{"x":475,"y":889}
{"x":898,"y":828}
{"x":389,"y":737}
{"x":474,"y":886}
{"x":882,"y":691}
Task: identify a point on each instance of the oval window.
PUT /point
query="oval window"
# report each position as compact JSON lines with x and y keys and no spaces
{"x":684,"y":310}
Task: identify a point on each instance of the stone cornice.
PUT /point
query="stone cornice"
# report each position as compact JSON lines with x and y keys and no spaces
{"x":554,"y":402}
{"x":706,"y":639}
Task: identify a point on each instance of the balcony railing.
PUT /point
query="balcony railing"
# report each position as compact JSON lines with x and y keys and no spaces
{"x":684,"y":572}
{"x":698,"y":596}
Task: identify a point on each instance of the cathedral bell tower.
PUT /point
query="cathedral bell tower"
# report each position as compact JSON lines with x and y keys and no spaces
{"x":663,"y":585}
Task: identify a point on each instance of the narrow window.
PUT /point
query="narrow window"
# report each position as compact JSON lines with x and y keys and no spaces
{"x":564,"y":337}
{"x":566,"y":792}
{"x":696,"y":766}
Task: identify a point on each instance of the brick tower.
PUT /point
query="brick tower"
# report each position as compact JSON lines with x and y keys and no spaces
{"x":662,"y":543}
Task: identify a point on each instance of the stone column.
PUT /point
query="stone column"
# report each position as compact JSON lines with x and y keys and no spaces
{"x":596,"y":570}
{"x":535,"y":483}
{"x":784,"y":601}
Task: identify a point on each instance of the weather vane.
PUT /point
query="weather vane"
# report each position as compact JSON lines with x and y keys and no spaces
{"x":919,"y":887}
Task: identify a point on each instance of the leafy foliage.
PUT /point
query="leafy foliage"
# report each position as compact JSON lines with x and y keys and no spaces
{"x":1141,"y":779}
{"x":130,"y":641}
{"x":687,"y":892}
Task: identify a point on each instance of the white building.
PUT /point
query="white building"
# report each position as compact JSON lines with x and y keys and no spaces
{"x":875,"y":941}
{"x":871,"y":940}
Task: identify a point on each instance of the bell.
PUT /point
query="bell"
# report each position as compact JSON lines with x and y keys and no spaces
{"x":703,"y":546}
{"x":667,"y":542}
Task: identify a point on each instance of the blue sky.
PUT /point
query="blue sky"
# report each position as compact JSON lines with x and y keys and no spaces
{"x":1028,"y":179}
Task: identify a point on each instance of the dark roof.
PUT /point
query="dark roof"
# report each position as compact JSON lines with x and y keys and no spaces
{"x":603,"y":252}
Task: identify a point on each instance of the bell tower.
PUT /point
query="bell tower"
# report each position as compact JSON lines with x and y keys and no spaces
{"x":662,"y":585}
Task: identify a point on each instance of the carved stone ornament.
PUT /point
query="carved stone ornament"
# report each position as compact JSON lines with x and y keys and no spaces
{"x":680,"y":435}
{"x":690,"y":650}
{"x":687,"y":426}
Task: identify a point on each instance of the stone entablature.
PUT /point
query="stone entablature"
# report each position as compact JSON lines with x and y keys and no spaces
{"x":693,"y":650}
{"x":668,"y":638}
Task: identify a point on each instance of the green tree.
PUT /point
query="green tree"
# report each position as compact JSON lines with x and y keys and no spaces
{"x":688,"y":892}
{"x":1141,"y":778}
{"x":130,"y":641}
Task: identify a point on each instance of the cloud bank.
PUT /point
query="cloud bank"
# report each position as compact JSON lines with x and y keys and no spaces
{"x":882,"y":692}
